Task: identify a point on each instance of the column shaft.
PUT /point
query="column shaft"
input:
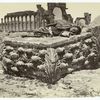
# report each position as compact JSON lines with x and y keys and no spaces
{"x":5,"y":24}
{"x":2,"y":24}
{"x":26,"y":23}
{"x":30,"y":22}
{"x":22,"y":22}
{"x":18,"y":24}
{"x":11,"y":25}
{"x":15,"y":23}
{"x":34,"y":23}
{"x":8,"y":24}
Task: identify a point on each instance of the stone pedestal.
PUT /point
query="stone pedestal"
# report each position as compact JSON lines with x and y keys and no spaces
{"x":48,"y":59}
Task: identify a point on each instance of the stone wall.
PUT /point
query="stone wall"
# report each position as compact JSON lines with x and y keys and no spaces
{"x":49,"y":59}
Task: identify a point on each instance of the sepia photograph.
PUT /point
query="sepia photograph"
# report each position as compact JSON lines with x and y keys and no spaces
{"x":49,"y":49}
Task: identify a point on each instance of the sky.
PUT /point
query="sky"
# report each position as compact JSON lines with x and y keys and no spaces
{"x":75,"y":9}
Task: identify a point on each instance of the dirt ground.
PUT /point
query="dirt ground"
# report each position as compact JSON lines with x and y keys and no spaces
{"x":83,"y":83}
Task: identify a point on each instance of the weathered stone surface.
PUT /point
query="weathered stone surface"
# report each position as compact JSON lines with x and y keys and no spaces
{"x":49,"y":59}
{"x":47,"y":42}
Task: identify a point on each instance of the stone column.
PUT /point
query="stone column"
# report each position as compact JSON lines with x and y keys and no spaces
{"x":8,"y":24}
{"x":22,"y":22}
{"x":30,"y":22}
{"x":5,"y":23}
{"x":26,"y":22}
{"x":15,"y":23}
{"x":34,"y":23}
{"x":2,"y":24}
{"x":18,"y":24}
{"x":40,"y":22}
{"x":43,"y":23}
{"x":11,"y":25}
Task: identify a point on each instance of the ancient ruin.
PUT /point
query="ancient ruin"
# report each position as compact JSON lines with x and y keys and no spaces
{"x":85,"y":20}
{"x":30,"y":20}
{"x":55,"y":47}
{"x":49,"y":59}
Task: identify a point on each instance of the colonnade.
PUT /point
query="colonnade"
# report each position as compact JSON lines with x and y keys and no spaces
{"x":19,"y":23}
{"x":22,"y":23}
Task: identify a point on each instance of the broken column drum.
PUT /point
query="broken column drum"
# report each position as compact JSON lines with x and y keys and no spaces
{"x":49,"y":59}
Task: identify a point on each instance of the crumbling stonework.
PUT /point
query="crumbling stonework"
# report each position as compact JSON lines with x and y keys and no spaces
{"x":62,"y":6}
{"x":49,"y":59}
{"x":24,"y":21}
{"x":83,"y":20}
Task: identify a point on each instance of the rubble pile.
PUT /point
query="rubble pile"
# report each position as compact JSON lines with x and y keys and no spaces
{"x":58,"y":28}
{"x":49,"y":59}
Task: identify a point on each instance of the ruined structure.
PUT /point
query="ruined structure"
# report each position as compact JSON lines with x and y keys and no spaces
{"x":83,"y":20}
{"x":49,"y":59}
{"x":18,"y":21}
{"x":30,"y":20}
{"x":59,"y":11}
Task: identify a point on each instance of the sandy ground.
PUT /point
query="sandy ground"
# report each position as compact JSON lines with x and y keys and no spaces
{"x":83,"y":83}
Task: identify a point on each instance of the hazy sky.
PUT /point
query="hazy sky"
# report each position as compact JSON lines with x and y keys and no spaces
{"x":75,"y":9}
